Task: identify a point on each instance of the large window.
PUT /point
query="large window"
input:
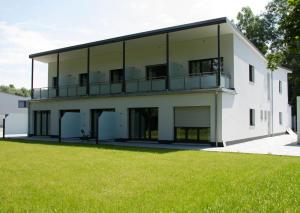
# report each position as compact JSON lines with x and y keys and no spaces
{"x":252,"y":117}
{"x":156,"y":71}
{"x":192,"y":134}
{"x":116,"y":76}
{"x":204,"y":66}
{"x":83,"y":79}
{"x":251,"y":73}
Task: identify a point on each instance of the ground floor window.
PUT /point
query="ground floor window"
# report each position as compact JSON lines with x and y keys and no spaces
{"x":143,"y":123}
{"x":41,"y":123}
{"x":192,"y":134}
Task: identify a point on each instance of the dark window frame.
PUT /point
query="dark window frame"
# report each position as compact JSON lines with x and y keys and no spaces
{"x":83,"y":79}
{"x":280,"y":86}
{"x":120,"y":73}
{"x":186,"y":133}
{"x":24,"y":102}
{"x":251,"y":73}
{"x":252,"y":117}
{"x":280,"y":118}
{"x":54,"y":82}
{"x":201,"y":61}
{"x":149,"y":69}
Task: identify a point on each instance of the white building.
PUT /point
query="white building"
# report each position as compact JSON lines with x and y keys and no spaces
{"x":199,"y":82}
{"x":11,"y":104}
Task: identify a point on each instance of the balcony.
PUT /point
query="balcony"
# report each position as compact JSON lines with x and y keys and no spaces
{"x":176,"y":83}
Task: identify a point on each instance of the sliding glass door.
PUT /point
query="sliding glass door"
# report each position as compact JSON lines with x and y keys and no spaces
{"x":143,"y":123}
{"x":42,"y":123}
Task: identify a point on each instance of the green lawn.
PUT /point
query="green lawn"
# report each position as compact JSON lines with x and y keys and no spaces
{"x":45,"y":177}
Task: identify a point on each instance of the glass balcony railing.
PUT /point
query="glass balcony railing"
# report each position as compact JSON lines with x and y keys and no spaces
{"x":176,"y":83}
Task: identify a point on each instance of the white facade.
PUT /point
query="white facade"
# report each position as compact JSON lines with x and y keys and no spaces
{"x":184,"y":102}
{"x":9,"y":104}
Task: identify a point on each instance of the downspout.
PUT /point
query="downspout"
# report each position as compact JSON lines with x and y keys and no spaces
{"x":218,"y":78}
{"x":272,"y":106}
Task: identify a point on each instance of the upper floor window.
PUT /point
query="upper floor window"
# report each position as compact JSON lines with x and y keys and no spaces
{"x":22,"y":104}
{"x":204,"y":66}
{"x":280,"y":87}
{"x":116,"y":76}
{"x":156,"y":71}
{"x":83,"y":79}
{"x":252,"y":117}
{"x":54,"y":82}
{"x":251,"y":73}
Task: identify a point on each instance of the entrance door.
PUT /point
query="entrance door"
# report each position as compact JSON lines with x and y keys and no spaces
{"x":95,"y":114}
{"x":143,"y":123}
{"x":41,"y":123}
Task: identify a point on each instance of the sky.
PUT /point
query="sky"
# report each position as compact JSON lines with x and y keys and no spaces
{"x":32,"y":26}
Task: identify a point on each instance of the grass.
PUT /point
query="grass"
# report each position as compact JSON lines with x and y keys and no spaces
{"x":45,"y":177}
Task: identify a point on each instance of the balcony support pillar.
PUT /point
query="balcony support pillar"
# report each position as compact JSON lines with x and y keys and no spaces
{"x":167,"y":60}
{"x":219,"y":59}
{"x":88,"y":72}
{"x":57,"y":75}
{"x":32,"y":72}
{"x":124,"y":65}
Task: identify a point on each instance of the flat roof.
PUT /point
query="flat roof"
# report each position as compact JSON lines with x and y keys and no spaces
{"x":134,"y":36}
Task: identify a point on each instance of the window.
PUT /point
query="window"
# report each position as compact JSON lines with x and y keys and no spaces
{"x":261,"y":115}
{"x":204,"y":66}
{"x":83,"y":79}
{"x":280,"y":118}
{"x":252,"y":117}
{"x":251,"y":73}
{"x":54,"y":82}
{"x":116,"y":76}
{"x":22,"y":104}
{"x":280,"y":87}
{"x":192,"y":134}
{"x":156,"y":71}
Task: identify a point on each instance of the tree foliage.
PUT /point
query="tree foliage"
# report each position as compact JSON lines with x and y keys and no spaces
{"x":10,"y":89}
{"x":276,"y":33}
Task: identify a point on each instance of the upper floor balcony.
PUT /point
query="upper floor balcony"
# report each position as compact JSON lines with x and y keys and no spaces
{"x":190,"y":59}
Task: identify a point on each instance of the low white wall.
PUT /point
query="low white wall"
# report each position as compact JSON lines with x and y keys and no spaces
{"x":16,"y":124}
{"x":109,"y":126}
{"x":70,"y":125}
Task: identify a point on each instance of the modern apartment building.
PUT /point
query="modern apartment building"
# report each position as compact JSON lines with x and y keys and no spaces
{"x":202,"y":82}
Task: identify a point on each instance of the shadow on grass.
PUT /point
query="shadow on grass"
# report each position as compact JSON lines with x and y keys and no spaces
{"x":120,"y":146}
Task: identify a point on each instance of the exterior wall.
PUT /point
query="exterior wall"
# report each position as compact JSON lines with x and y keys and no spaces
{"x":280,"y":101}
{"x":9,"y":104}
{"x":139,"y":56}
{"x":165,"y":103}
{"x":235,"y":112}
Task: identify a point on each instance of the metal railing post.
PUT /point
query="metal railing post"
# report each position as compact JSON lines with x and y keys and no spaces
{"x":40,"y":93}
{"x":3,"y":132}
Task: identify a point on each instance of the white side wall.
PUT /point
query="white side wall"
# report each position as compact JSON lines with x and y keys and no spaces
{"x":16,"y":124}
{"x":235,"y":110}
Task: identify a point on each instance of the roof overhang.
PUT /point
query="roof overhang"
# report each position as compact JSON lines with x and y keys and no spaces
{"x":134,"y":36}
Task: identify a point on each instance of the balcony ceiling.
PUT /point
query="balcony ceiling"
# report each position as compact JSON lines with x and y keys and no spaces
{"x":140,"y":43}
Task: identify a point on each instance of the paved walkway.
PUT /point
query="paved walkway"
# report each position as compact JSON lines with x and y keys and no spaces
{"x":278,"y":145}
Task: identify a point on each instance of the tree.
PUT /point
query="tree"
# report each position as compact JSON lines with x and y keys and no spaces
{"x":10,"y":89}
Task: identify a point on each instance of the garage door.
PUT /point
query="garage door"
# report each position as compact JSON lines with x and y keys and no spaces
{"x":192,"y":124}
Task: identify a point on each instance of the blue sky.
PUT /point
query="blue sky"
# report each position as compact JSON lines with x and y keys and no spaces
{"x":38,"y":25}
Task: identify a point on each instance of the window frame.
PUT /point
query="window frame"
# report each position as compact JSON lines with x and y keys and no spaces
{"x":148,"y":71}
{"x":120,"y":74}
{"x":280,"y":86}
{"x":55,"y":82}
{"x":23,"y":102}
{"x":280,"y":118}
{"x":251,"y":73}
{"x":83,"y":83}
{"x":201,"y":65}
{"x":252,"y":117}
